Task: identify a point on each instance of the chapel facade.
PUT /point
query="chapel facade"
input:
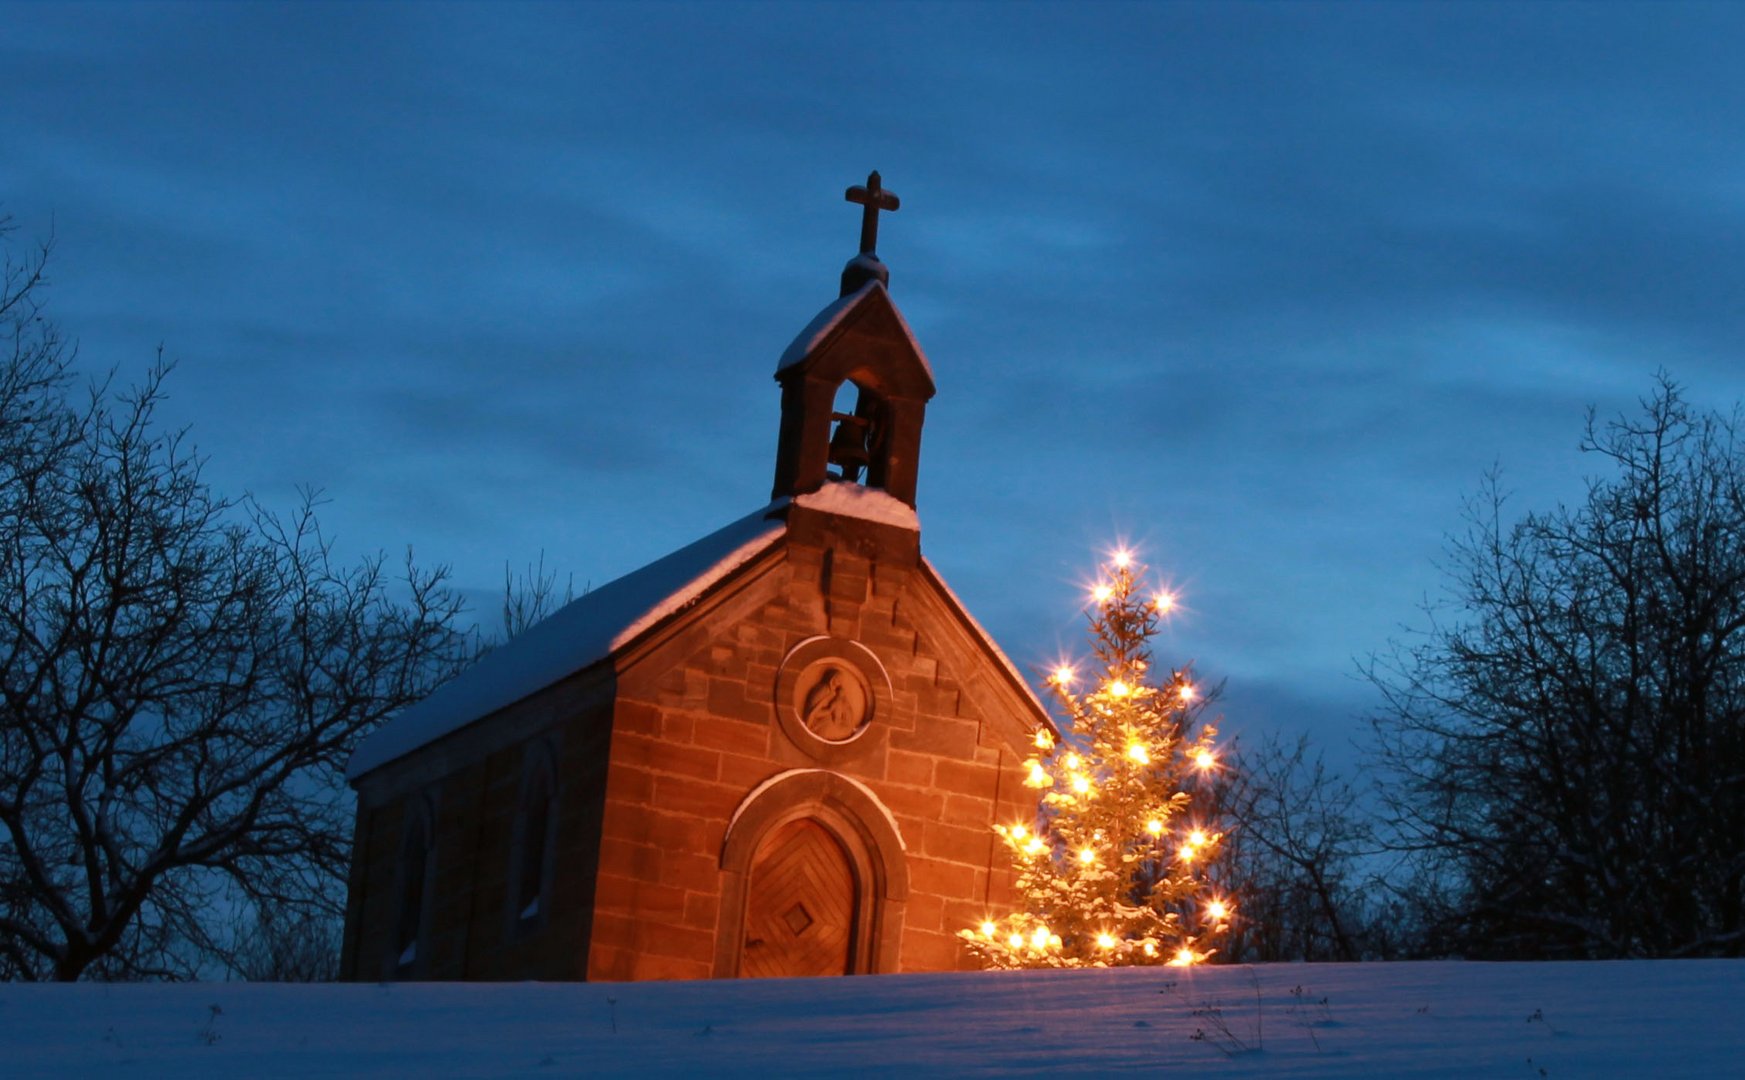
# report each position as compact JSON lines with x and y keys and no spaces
{"x":777,"y":751}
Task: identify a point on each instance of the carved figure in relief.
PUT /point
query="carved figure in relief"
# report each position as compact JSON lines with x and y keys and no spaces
{"x":832,"y":710}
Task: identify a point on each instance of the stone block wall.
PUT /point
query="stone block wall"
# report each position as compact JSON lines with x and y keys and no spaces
{"x":651,"y":774}
{"x":695,"y":733}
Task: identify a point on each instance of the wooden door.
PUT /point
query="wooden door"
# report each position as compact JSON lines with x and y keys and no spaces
{"x":800,"y":907}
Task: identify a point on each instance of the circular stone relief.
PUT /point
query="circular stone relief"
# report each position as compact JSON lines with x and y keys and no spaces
{"x":832,"y":700}
{"x":831,"y":695}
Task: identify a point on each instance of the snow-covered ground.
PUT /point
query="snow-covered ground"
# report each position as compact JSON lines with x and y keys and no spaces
{"x":1637,"y":1019}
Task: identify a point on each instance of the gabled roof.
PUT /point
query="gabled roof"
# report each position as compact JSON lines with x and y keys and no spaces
{"x":835,"y":316}
{"x":576,"y":636}
{"x":595,"y":626}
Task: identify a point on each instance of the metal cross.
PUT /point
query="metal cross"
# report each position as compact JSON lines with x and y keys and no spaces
{"x":873,"y":198}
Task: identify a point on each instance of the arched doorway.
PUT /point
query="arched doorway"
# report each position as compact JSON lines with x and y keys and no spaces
{"x":813,"y":871}
{"x":800,"y":906}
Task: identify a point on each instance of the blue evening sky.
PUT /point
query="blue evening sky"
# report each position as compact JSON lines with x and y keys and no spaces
{"x":1262,"y":288}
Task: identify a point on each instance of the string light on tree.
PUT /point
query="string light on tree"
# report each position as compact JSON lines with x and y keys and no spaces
{"x":1100,"y":881}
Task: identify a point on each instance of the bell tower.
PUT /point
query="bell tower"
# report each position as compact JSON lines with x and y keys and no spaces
{"x":861,"y":339}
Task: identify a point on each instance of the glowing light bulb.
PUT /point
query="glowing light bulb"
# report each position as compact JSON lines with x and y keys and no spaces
{"x":1138,"y":753}
{"x":1186,"y":692}
{"x":1204,"y":759}
{"x":1035,"y":846}
{"x":1043,"y":740}
{"x":1106,"y":941}
{"x":1086,"y":855}
{"x":1154,"y":827}
{"x":1054,"y":941}
{"x":1073,"y":761}
{"x":1197,"y":838}
{"x":1163,"y":601}
{"x":1123,"y":558}
{"x":1016,"y":941}
{"x":1185,"y":853}
{"x":1151,"y":948}
{"x":1184,"y":956}
{"x":1102,"y":593}
{"x":1018,"y":832}
{"x":1064,"y":675}
{"x":988,"y":930}
{"x":1081,"y":785}
{"x":1119,"y":689}
{"x":1040,"y":937}
{"x":1218,"y":910}
{"x":1038,"y":776}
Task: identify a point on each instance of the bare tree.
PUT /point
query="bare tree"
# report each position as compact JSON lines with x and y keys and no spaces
{"x":181,"y":679}
{"x":532,"y":596}
{"x":1299,"y":859}
{"x":1566,"y":743}
{"x":293,"y":945}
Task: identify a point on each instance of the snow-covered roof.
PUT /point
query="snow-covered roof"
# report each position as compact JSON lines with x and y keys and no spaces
{"x":574,"y":637}
{"x":825,"y":323}
{"x":598,"y":624}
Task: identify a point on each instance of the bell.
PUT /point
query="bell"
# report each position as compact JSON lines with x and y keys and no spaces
{"x":848,"y":449}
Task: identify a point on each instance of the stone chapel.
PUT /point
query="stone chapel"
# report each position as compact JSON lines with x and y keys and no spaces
{"x":775,"y":752}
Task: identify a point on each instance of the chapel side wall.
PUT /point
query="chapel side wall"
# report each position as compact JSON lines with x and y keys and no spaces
{"x":356,"y":882}
{"x":479,"y":939}
{"x":563,"y":950}
{"x":475,"y":790}
{"x":695,"y":731}
{"x":465,"y":826}
{"x":370,"y":905}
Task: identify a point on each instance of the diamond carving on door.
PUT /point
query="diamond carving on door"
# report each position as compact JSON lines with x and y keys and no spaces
{"x":799,"y":910}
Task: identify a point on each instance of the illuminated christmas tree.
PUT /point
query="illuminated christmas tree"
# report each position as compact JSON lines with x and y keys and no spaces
{"x":1113,"y":869}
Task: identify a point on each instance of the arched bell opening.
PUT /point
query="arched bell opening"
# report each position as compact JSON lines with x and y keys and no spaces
{"x":857,"y":451}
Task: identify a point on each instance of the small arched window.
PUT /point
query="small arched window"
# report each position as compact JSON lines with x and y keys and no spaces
{"x":530,"y":869}
{"x":413,"y":890}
